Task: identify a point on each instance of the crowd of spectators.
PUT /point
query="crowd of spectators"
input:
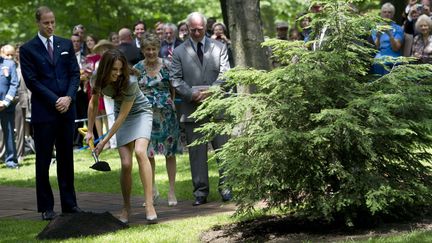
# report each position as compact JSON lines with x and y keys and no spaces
{"x":410,"y":39}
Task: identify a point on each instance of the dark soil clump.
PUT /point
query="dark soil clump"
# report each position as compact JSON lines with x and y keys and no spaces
{"x":80,"y":224}
{"x":291,"y":229}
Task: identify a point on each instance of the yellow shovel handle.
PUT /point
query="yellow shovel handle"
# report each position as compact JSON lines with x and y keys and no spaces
{"x":83,"y":131}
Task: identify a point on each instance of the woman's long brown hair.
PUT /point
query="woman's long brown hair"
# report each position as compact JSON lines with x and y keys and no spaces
{"x":104,"y":72}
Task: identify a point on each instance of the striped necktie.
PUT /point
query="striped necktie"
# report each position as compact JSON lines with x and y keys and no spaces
{"x":50,"y":49}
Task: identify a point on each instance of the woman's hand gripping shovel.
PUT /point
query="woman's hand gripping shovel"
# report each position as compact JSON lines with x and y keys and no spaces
{"x":98,"y":165}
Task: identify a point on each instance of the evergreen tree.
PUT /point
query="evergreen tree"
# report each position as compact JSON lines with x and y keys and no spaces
{"x":321,"y":137}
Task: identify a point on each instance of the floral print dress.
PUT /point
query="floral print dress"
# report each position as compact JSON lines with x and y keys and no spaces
{"x":165,"y":131}
{"x":422,"y":50}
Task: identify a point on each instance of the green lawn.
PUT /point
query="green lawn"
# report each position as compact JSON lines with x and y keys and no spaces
{"x":417,"y":236}
{"x":88,"y":180}
{"x":173,"y":231}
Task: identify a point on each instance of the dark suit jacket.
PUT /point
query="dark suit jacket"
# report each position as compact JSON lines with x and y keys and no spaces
{"x":163,"y":52}
{"x":48,"y":80}
{"x":132,"y":53}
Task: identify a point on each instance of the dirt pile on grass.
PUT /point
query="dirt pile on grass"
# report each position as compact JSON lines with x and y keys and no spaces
{"x":80,"y":224}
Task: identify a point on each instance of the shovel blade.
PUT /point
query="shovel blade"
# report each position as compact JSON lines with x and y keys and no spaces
{"x":101,"y":166}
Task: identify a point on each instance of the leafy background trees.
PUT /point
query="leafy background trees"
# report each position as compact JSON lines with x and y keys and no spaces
{"x":99,"y":16}
{"x":103,"y":16}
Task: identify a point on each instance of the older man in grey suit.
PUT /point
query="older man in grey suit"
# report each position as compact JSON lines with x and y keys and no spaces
{"x":197,"y":63}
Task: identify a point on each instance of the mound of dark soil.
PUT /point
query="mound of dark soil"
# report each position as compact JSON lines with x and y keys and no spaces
{"x":80,"y":224}
{"x":291,"y":229}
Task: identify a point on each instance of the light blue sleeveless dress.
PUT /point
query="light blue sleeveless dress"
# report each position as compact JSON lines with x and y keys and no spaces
{"x":138,"y":123}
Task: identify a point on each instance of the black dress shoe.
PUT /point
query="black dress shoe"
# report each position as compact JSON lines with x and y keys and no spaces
{"x":199,"y":201}
{"x":75,"y":209}
{"x":48,"y":215}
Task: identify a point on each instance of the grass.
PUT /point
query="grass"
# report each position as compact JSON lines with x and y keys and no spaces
{"x":417,"y":236}
{"x":88,"y":180}
{"x":173,"y":231}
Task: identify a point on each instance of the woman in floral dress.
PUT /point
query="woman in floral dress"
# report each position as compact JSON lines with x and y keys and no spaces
{"x":155,"y":84}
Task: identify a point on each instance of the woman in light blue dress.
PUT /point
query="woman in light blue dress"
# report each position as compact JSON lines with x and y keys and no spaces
{"x":155,"y":84}
{"x":132,"y":126}
{"x":389,"y":42}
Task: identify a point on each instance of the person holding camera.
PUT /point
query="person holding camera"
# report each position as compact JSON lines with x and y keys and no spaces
{"x":388,"y":41}
{"x":219,"y":30}
{"x":413,"y":15}
{"x":423,"y":7}
{"x":219,"y":34}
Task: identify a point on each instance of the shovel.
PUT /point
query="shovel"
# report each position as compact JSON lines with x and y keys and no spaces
{"x":98,"y":165}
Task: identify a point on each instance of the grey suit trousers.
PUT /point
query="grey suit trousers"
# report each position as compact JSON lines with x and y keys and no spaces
{"x":198,"y":160}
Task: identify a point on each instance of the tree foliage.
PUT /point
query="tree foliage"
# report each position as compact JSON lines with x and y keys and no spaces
{"x":100,"y":17}
{"x":104,"y":16}
{"x":290,"y":11}
{"x":321,"y":137}
{"x":274,"y":10}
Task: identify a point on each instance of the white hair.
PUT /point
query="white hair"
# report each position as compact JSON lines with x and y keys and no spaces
{"x":195,"y":15}
{"x":423,"y":19}
{"x":390,"y":7}
{"x":171,"y":26}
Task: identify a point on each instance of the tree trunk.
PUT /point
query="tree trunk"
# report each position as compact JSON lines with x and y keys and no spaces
{"x":399,"y":6}
{"x":244,"y":23}
{"x":224,"y":9}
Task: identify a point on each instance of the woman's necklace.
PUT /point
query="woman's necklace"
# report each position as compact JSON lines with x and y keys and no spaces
{"x":152,"y":68}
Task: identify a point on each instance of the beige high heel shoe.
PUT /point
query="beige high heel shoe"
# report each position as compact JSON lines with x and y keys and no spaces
{"x":172,"y":200}
{"x":151,"y":219}
{"x":124,"y":217}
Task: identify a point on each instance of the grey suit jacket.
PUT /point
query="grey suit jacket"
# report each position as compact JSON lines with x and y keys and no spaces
{"x":186,"y":71}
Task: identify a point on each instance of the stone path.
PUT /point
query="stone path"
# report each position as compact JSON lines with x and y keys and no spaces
{"x":20,"y":203}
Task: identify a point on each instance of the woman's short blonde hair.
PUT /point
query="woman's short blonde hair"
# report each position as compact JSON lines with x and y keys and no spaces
{"x":150,"y":40}
{"x":390,"y":7}
{"x":7,"y":49}
{"x":423,"y":19}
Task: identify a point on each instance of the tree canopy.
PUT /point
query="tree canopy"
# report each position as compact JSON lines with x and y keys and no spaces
{"x":103,"y":16}
{"x":98,"y":16}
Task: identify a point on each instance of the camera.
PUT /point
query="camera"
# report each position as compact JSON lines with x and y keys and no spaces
{"x":420,"y":8}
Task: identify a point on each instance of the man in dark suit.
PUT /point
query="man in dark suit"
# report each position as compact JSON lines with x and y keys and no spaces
{"x":196,"y":64}
{"x":51,"y":73}
{"x":128,"y":47}
{"x":139,"y":30}
{"x":170,"y":41}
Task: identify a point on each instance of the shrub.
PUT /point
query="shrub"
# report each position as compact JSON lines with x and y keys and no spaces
{"x":321,"y":137}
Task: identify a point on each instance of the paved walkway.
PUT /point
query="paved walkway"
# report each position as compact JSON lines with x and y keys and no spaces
{"x":20,"y":203}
